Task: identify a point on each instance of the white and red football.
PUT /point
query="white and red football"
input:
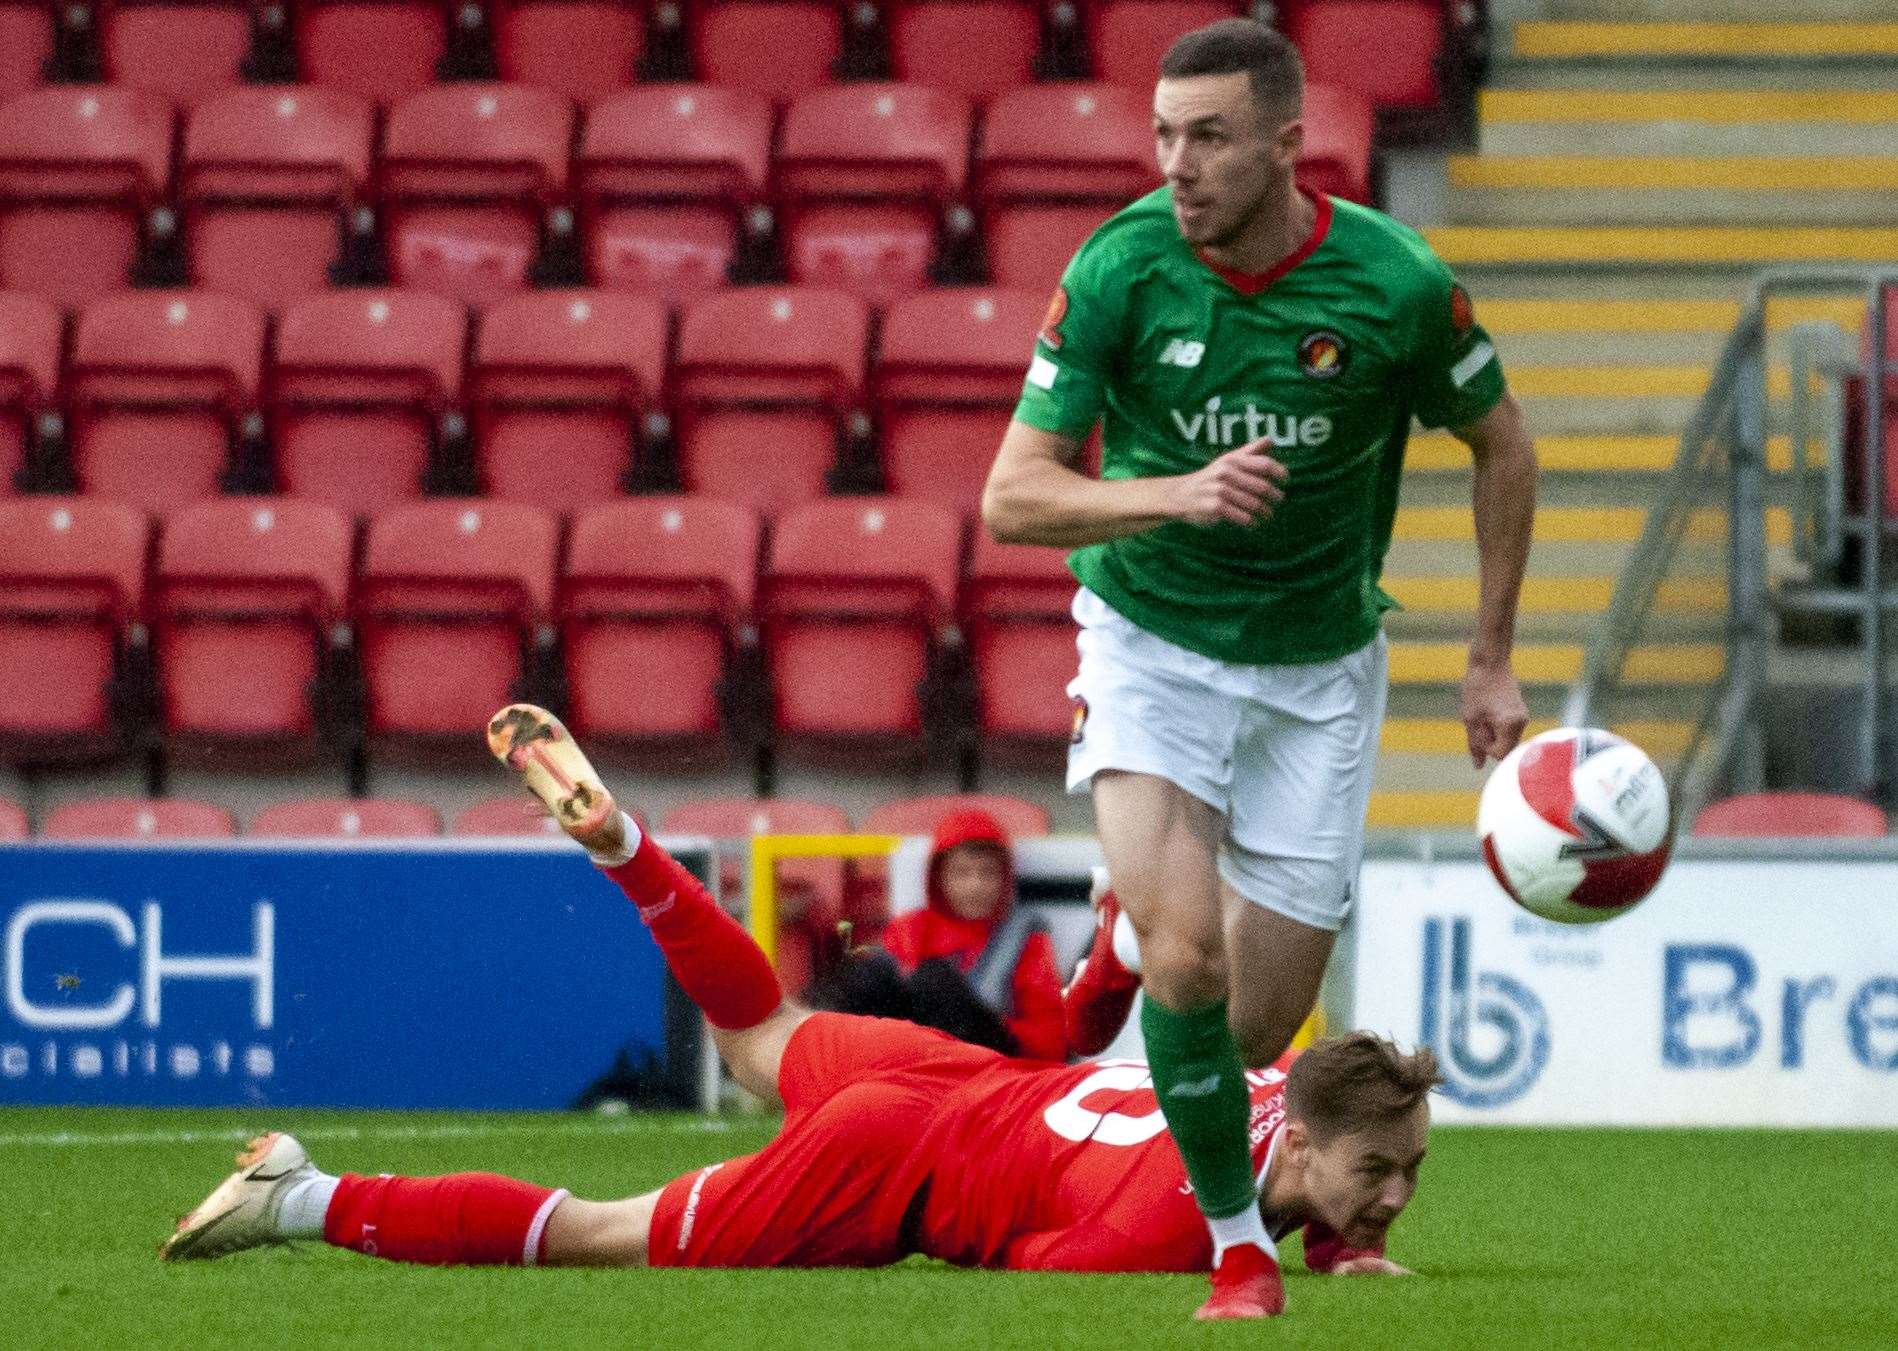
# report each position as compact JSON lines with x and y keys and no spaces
{"x":1574,"y":824}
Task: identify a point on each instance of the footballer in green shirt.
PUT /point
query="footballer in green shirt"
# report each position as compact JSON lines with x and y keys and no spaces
{"x":1254,"y":356}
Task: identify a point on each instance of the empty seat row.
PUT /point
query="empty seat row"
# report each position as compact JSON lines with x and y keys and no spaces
{"x":778,"y":50}
{"x":258,"y":626}
{"x":562,"y":394}
{"x":474,"y":190}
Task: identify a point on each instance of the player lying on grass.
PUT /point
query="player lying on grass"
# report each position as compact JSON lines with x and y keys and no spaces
{"x":896,"y":1139}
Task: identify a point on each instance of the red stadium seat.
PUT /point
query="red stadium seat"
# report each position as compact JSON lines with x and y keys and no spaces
{"x":158,"y":386}
{"x":558,"y":386}
{"x":468,"y":175}
{"x":581,"y":48}
{"x":977,"y":48}
{"x":766,"y":382}
{"x":138,"y":818}
{"x":448,"y":608}
{"x":267,"y":182}
{"x":1339,"y":125}
{"x":1403,"y":38}
{"x":178,"y":49}
{"x":29,"y":377}
{"x":512,"y":815}
{"x":852,"y":608}
{"x":948,"y":377}
{"x":252,"y":585}
{"x":26,"y":41}
{"x":666,"y":178}
{"x":1127,"y":38}
{"x":361,"y":381}
{"x":321,"y":818}
{"x":1754,"y":815}
{"x":1054,"y":162}
{"x":655,"y":596}
{"x":80,"y":165}
{"x":1021,"y":640}
{"x":810,"y":891}
{"x":72,"y":581}
{"x":13,"y":824}
{"x":381,"y":49}
{"x":775,"y":48}
{"x":1021,"y":818}
{"x":864,"y":174}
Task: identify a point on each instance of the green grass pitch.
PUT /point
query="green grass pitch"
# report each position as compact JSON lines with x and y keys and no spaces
{"x":1525,"y":1239}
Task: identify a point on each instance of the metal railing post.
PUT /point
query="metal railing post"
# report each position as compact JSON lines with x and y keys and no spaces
{"x":1747,"y":623}
{"x":1872,"y":577}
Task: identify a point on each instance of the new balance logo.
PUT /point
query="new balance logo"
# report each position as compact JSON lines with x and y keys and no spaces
{"x":1181,"y":352}
{"x":1196,"y":1088}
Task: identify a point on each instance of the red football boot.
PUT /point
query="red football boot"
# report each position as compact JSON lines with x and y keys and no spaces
{"x":1246,"y":1284}
{"x":1096,"y":1003}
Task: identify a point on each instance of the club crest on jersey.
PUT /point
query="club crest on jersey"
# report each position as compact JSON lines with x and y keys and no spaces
{"x":1057,"y":311}
{"x":1080,"y":721}
{"x":1322,"y":354}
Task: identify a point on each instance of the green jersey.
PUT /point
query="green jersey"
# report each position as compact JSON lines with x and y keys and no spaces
{"x":1329,"y":356}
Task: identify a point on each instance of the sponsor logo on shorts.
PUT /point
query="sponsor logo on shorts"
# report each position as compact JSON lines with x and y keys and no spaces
{"x":1321,"y":354}
{"x":1051,"y":324}
{"x":1080,"y":721}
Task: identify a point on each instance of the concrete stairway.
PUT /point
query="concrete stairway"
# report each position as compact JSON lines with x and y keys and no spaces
{"x":1631,"y":178}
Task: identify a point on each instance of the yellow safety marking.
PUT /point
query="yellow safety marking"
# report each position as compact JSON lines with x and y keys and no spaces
{"x":1422,"y":809}
{"x":1559,"y":663}
{"x":1572,"y":454}
{"x":766,"y":850}
{"x":1630,"y":382}
{"x":1446,"y":736}
{"x":1466,"y":244}
{"x":1677,"y":173}
{"x":1556,"y":38}
{"x":1579,"y":525}
{"x":1509,"y":316}
{"x":1554,"y":595}
{"x":1688,"y":105}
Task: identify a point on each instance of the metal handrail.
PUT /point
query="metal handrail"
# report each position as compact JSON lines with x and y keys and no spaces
{"x":1728,"y":430}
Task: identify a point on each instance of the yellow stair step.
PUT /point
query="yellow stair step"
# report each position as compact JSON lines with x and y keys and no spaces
{"x":1678,"y":173}
{"x":1509,"y":316}
{"x":1662,"y":739}
{"x":1690,"y":245}
{"x":1422,"y":809}
{"x":1555,"y":595}
{"x":1570,"y":39}
{"x":1626,"y":382}
{"x":1583,"y":454}
{"x":1415,"y":663}
{"x":1619,"y":525}
{"x":1688,"y":105}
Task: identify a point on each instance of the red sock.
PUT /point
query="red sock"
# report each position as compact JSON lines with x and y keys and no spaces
{"x":719,"y":966}
{"x":464,"y":1219}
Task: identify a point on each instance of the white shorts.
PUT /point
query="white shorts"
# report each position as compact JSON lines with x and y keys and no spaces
{"x":1286,"y":753}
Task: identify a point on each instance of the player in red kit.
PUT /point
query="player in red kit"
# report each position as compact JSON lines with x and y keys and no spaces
{"x":896,"y":1140}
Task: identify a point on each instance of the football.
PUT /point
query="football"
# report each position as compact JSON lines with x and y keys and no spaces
{"x":1574,"y":824}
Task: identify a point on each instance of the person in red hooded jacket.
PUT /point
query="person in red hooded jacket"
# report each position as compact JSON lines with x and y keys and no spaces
{"x":971,"y":925}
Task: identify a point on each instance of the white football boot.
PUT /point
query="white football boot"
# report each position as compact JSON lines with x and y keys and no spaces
{"x":242,"y":1213}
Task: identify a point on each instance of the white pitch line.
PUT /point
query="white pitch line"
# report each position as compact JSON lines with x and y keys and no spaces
{"x":610,"y":1126}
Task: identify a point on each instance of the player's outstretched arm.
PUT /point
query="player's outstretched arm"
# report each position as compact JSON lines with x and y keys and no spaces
{"x":1036,"y":495}
{"x":1503,"y":496}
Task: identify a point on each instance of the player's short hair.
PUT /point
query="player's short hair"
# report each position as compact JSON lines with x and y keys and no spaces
{"x":1242,"y":46}
{"x":1343,"y":1084}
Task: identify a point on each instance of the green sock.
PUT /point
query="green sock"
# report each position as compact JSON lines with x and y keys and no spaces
{"x":1202,"y":1090}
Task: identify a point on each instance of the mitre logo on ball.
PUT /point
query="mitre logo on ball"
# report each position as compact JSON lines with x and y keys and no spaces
{"x":1574,"y":824}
